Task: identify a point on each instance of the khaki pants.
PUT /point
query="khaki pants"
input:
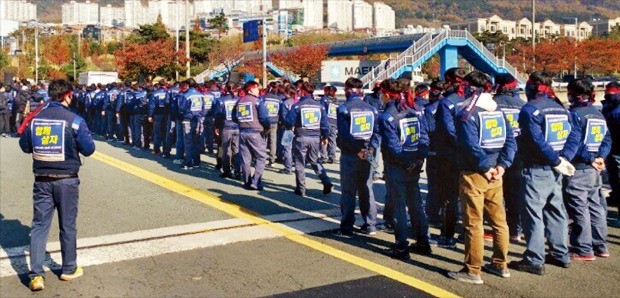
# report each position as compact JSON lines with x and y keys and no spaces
{"x":479,"y":195}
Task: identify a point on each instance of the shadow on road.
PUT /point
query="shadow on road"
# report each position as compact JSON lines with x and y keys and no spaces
{"x":14,"y":240}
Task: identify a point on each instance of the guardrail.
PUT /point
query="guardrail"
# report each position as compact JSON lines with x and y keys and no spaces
{"x":379,"y":72}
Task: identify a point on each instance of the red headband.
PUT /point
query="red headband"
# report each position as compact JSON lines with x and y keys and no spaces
{"x":390,"y":94}
{"x":612,"y":90}
{"x":511,"y":85}
{"x":70,"y":92}
{"x":423,"y":93}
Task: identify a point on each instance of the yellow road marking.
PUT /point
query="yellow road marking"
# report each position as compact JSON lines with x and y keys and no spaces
{"x":240,"y":212}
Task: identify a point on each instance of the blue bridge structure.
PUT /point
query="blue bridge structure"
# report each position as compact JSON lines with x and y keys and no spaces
{"x":413,"y":49}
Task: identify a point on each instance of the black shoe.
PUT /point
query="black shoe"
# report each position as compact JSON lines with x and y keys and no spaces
{"x":555,"y":262}
{"x":421,"y":249}
{"x":218,"y":167}
{"x":237,"y":176}
{"x":225,"y":175}
{"x":285,"y":171}
{"x":341,"y":234}
{"x":327,"y":188}
{"x":526,"y":266}
{"x":300,"y":193}
{"x":388,"y":227}
{"x":320,"y":160}
{"x":397,"y":253}
{"x":368,"y":230}
{"x":330,"y":160}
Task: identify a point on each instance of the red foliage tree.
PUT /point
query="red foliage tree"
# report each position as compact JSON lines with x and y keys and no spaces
{"x":304,"y":60}
{"x":57,"y":50}
{"x":149,"y":60}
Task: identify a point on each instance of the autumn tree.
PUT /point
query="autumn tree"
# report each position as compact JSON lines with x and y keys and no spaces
{"x":431,"y":67}
{"x":227,"y":53}
{"x":57,"y":51}
{"x":597,"y":56}
{"x":149,"y":60}
{"x":303,"y":60}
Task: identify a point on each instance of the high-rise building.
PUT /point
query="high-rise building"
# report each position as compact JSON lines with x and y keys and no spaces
{"x":313,"y":14}
{"x":74,"y":13}
{"x":340,"y":14}
{"x":135,"y":13}
{"x":362,"y":15}
{"x":289,"y":4}
{"x":17,"y":10}
{"x":111,"y":16}
{"x":203,"y":6}
{"x":384,"y":17}
{"x":253,"y":6}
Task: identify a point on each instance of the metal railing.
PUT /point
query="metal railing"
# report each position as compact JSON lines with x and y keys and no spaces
{"x":411,"y":55}
{"x":283,"y":72}
{"x":380,"y":70}
{"x":421,"y":48}
{"x":209,"y":73}
{"x":498,"y":62}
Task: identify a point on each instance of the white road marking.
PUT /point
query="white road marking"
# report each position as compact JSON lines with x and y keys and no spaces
{"x":147,"y":243}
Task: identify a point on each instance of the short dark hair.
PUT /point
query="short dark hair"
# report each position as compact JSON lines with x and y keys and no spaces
{"x":392,"y":85}
{"x":477,"y":78}
{"x":308,"y":87}
{"x":580,"y":86}
{"x":438,"y":84}
{"x":421,"y":88}
{"x":230,"y":87}
{"x":191,"y":83}
{"x":454,"y":73}
{"x":541,"y":77}
{"x":613,"y":84}
{"x":353,"y":83}
{"x":58,"y":88}
{"x":503,"y":79}
{"x":249,"y":85}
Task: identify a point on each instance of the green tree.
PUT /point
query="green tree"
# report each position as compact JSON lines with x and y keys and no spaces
{"x":614,"y":33}
{"x":150,"y":32}
{"x":4,"y":59}
{"x":220,"y":23}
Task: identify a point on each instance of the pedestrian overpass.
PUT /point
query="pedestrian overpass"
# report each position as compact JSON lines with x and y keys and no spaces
{"x":414,"y":49}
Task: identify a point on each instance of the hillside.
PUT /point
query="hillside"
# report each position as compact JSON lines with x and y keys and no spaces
{"x":438,"y":12}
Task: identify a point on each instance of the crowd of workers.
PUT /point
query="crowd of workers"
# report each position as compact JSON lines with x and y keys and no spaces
{"x":526,"y":168}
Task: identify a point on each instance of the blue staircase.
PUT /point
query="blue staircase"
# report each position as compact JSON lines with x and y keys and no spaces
{"x":415,"y":49}
{"x":449,"y":40}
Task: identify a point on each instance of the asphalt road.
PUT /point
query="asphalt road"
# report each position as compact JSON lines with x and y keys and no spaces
{"x":147,"y":228}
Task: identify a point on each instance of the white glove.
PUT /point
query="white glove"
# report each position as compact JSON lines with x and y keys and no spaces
{"x":565,"y":168}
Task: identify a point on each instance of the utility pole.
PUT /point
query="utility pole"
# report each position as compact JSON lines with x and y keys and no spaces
{"x":74,"y":68}
{"x":576,"y":40}
{"x":533,"y":34}
{"x":177,"y":37}
{"x":188,"y":75}
{"x":36,"y":52}
{"x":264,"y":52}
